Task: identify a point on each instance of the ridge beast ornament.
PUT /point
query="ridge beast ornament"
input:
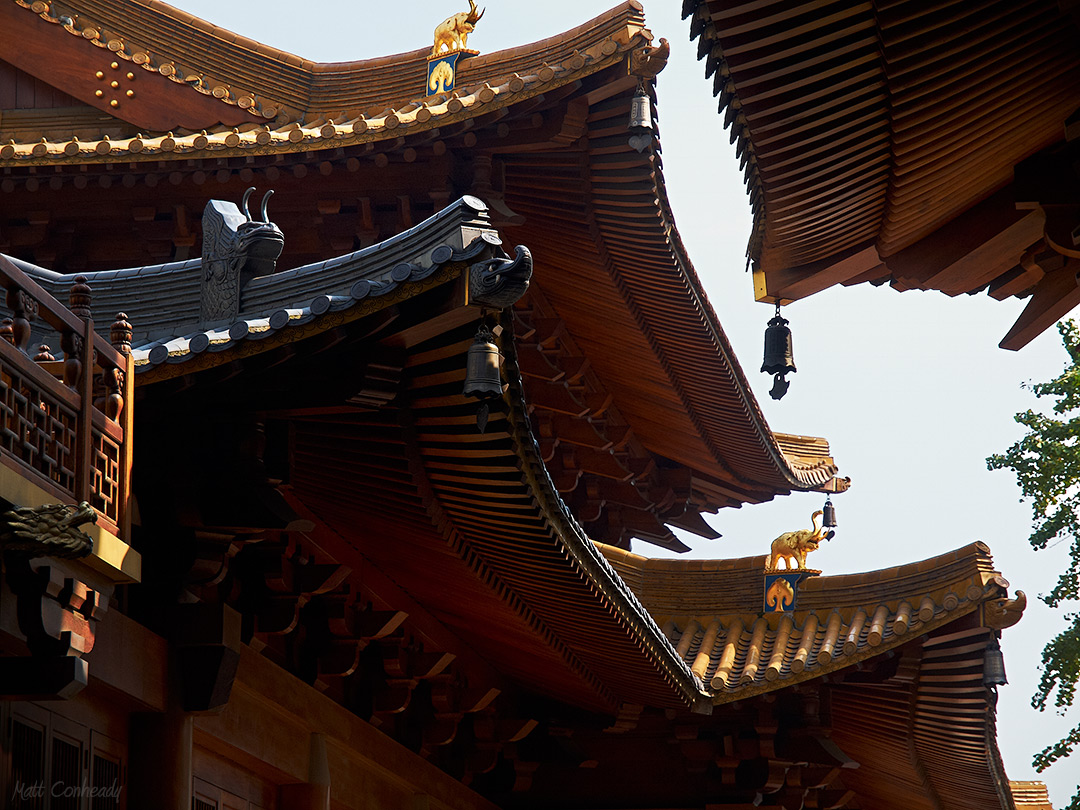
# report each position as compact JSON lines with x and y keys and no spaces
{"x":794,"y":546}
{"x":498,"y":282}
{"x":453,"y":32}
{"x":781,"y":586}
{"x":236,"y":249}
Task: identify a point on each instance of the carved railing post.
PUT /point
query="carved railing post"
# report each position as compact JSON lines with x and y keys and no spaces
{"x":7,"y":331}
{"x":24,"y":310}
{"x":44,"y":354}
{"x":120,"y":337}
{"x":84,"y":455}
{"x":71,"y":341}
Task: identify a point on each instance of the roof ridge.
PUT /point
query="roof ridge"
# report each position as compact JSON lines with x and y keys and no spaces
{"x":976,"y":549}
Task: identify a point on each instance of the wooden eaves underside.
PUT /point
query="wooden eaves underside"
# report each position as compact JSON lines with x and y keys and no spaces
{"x":881,"y":142}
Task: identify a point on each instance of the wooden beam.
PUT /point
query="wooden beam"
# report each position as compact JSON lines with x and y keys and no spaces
{"x":1053,"y":299}
{"x":791,"y":284}
{"x":993,"y":257}
{"x":955,"y":256}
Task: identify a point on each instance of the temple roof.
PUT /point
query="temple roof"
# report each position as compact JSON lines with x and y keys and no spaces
{"x":911,"y":642}
{"x":879,"y":140}
{"x":268,"y":100}
{"x":712,"y":612}
{"x":162,"y":301}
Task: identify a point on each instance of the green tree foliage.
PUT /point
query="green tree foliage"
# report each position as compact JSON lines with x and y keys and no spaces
{"x":1046,"y":462}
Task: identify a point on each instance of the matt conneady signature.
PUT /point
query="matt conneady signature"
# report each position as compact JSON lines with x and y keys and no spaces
{"x":25,"y":791}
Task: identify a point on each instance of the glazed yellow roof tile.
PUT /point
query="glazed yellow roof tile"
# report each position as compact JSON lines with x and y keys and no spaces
{"x":313,"y":105}
{"x":711,"y":611}
{"x":1030,"y":796}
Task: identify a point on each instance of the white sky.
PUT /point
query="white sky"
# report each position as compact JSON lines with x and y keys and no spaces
{"x":910,"y":389}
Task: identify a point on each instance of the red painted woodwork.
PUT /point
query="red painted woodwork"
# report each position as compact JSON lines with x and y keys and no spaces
{"x":48,"y":53}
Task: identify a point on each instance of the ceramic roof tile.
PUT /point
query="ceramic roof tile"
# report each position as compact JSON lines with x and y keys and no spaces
{"x":715,"y":617}
{"x":1030,"y":796}
{"x":163,"y":302}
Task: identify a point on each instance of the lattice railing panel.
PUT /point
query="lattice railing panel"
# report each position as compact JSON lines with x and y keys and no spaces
{"x":105,"y":481}
{"x":36,"y":427}
{"x":77,"y":444}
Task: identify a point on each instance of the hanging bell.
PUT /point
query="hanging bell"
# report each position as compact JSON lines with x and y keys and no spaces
{"x":828,"y":520}
{"x":640,"y":111}
{"x":994,"y":665}
{"x":779,"y":360}
{"x":640,"y":119}
{"x":482,"y":376}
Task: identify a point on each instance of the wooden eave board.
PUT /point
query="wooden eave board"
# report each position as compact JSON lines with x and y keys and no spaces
{"x":68,"y":51}
{"x":934,"y":753}
{"x":397,"y":535}
{"x":950,"y":78}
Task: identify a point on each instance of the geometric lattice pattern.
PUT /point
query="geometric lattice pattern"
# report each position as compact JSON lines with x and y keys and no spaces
{"x":37,"y":428}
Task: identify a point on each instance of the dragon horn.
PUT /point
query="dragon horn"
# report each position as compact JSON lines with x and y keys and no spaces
{"x":262,"y":207}
{"x":243,"y":204}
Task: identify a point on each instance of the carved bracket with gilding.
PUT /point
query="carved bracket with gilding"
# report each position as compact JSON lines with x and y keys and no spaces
{"x":498,"y":283}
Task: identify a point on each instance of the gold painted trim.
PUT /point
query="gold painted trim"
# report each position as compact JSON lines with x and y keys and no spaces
{"x":415,"y":116}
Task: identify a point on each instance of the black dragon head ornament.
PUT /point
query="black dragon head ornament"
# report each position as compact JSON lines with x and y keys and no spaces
{"x":236,"y":249}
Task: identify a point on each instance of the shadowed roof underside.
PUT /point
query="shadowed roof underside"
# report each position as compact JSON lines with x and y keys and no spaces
{"x":868,"y":130}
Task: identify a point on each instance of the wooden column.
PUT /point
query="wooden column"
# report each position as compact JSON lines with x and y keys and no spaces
{"x":315,"y":793}
{"x":160,"y":761}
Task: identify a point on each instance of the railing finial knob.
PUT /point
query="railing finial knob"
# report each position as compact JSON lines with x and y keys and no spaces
{"x":120,"y":334}
{"x":79,"y":298}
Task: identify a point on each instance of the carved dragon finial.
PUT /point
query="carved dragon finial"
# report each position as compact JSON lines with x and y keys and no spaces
{"x":1004,"y":612}
{"x":794,"y":546}
{"x":499,"y":282}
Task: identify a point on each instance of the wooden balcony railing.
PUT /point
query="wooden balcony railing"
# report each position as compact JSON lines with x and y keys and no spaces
{"x":67,"y":425}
